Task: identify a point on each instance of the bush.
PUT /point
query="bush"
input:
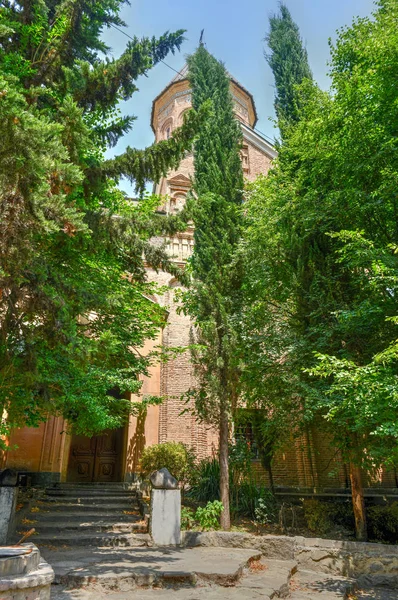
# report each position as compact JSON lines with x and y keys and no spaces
{"x":206,"y":483}
{"x":383,"y":522}
{"x":188,"y":520}
{"x":174,"y":456}
{"x":317,"y":516}
{"x":244,"y":492}
{"x":265,"y":508}
{"x":342,"y":514}
{"x":208,"y":517}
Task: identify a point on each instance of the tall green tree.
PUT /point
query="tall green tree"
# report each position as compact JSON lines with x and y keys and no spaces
{"x":74,"y":300}
{"x":321,"y":257}
{"x":288,"y":60}
{"x":213,"y":299}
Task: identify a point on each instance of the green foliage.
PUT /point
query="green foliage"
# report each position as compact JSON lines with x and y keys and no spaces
{"x":74,"y":300}
{"x":188,"y":520}
{"x":289,"y":63}
{"x":208,"y":516}
{"x":318,"y":329}
{"x":245,"y":491}
{"x":265,"y":508}
{"x":383,"y":522}
{"x":213,"y":298}
{"x":206,"y":482}
{"x":244,"y":498}
{"x":317,"y":516}
{"x":174,"y":456}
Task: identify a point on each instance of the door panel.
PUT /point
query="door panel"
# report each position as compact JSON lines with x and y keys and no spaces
{"x":97,"y":458}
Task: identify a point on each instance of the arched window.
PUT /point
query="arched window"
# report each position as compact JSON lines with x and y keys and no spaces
{"x":167,"y":130}
{"x":244,"y":156}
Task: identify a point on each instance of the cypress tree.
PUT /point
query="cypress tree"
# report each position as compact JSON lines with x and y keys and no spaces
{"x":288,"y":60}
{"x":213,"y":299}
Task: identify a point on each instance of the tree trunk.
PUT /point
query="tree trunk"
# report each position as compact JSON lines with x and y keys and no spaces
{"x":270,"y":477}
{"x":358,"y":502}
{"x":266,"y":462}
{"x":224,"y":470}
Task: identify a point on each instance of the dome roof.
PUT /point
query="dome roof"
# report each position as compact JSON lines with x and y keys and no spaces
{"x":182,"y":75}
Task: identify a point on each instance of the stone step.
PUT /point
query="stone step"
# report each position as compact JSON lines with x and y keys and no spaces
{"x":91,"y":494}
{"x":100,"y":500}
{"x":105,"y":539}
{"x":85,"y":516}
{"x":310,"y":585}
{"x":81,"y":509}
{"x":83,"y":526}
{"x":95,"y":492}
{"x":99,"y":484}
{"x":83,"y":506}
{"x":125,"y":570}
{"x":268,"y":576}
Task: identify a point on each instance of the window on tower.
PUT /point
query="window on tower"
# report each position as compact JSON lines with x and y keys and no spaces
{"x":167,"y":130}
{"x":244,"y":156}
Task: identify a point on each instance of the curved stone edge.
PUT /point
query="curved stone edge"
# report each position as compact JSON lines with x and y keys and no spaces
{"x":20,"y":565}
{"x":231,"y":578}
{"x":43,"y":576}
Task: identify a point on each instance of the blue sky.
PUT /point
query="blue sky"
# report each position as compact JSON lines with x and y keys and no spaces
{"x":234,"y":33}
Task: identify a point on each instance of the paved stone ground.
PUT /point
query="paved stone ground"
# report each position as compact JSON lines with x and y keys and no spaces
{"x":108,"y":568}
{"x":192,"y":574}
{"x":189,"y":574}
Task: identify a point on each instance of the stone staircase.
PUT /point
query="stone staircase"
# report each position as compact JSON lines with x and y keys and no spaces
{"x":87,"y":515}
{"x":95,"y":538}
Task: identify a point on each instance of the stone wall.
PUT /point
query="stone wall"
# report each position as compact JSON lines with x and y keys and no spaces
{"x":370,"y":564}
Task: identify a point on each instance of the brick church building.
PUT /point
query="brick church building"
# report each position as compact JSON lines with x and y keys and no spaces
{"x":47,"y":454}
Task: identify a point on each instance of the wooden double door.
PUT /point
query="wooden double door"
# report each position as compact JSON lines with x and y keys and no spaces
{"x":98,"y":458}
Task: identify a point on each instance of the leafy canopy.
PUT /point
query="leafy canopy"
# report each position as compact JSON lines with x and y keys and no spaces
{"x":321,"y":253}
{"x":75,"y":306}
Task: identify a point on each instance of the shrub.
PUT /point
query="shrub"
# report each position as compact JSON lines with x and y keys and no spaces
{"x":188,"y":520}
{"x":208,"y":517}
{"x":243,"y":490}
{"x":206,"y":484}
{"x":174,"y":456}
{"x":383,"y":522}
{"x":342,"y":514}
{"x":265,"y":508}
{"x":317,"y":516}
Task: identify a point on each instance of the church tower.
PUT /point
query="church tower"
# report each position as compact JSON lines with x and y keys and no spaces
{"x":257,"y":153}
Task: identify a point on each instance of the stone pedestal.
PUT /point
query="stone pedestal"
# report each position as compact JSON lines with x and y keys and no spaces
{"x":166,"y":517}
{"x":165,"y":509}
{"x":8,"y":499}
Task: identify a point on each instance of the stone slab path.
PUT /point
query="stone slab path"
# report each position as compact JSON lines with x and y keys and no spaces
{"x":183,"y":574}
{"x":191,"y":573}
{"x":113,"y":569}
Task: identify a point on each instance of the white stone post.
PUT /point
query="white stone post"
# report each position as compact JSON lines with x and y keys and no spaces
{"x":8,"y":501}
{"x":165,"y":509}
